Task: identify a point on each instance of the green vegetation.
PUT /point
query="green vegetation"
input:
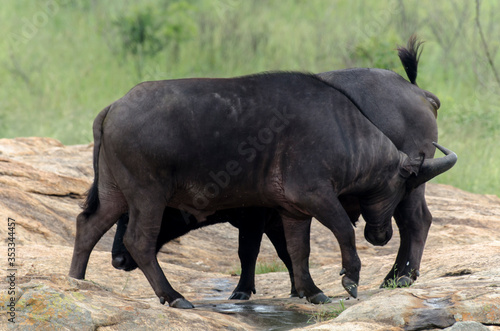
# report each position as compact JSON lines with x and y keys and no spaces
{"x":393,"y":284}
{"x":65,"y":60}
{"x":263,"y":267}
{"x":326,"y":312}
{"x":395,"y":281}
{"x":267,"y":267}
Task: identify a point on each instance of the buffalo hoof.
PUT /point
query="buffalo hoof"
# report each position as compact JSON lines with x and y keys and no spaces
{"x":403,"y":281}
{"x":182,"y":304}
{"x":118,"y":262}
{"x":350,"y":286}
{"x":294,"y":294}
{"x":319,"y":298}
{"x":239,"y":296}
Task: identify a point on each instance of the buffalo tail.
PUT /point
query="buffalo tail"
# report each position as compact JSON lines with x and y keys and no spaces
{"x":91,"y":202}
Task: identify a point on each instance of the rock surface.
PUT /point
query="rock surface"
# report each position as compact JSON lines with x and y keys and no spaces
{"x":43,"y":182}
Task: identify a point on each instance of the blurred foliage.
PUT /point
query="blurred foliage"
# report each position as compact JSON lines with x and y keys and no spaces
{"x":376,"y":52}
{"x":63,"y":61}
{"x":141,"y":31}
{"x":147,"y":29}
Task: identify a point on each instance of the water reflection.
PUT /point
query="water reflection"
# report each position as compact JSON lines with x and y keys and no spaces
{"x":262,"y":316}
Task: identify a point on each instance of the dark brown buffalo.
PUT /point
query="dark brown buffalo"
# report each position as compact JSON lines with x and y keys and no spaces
{"x":287,"y":141}
{"x":405,"y":114}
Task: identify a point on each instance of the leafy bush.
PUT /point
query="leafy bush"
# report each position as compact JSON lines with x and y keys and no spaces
{"x":147,"y":29}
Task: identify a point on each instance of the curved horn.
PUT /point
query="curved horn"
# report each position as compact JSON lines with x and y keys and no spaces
{"x":432,"y":167}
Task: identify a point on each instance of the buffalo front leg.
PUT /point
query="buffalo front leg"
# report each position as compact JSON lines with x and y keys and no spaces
{"x":297,"y":234}
{"x":327,"y":209}
{"x":414,"y":220}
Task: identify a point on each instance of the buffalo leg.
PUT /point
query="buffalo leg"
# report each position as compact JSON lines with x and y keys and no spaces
{"x":275,"y":232}
{"x":327,"y":209}
{"x":90,"y":228}
{"x":140,"y":240}
{"x":173,"y":226}
{"x":297,"y":240}
{"x":251,"y":229}
{"x":414,"y":220}
{"x":120,"y":258}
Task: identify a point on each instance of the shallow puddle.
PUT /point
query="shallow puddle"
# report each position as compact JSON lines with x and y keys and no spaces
{"x":261,"y":316}
{"x":215,"y":288}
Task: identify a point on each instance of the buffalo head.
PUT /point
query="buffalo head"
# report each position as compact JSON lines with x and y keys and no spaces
{"x":377,"y":207}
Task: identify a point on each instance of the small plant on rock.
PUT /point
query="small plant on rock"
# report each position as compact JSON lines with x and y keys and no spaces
{"x":326,"y":312}
{"x":396,"y":282}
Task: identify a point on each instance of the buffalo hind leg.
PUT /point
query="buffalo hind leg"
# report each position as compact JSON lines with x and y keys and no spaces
{"x":414,"y":220}
{"x":90,"y":228}
{"x":251,"y":228}
{"x":275,"y":232}
{"x":140,"y":240}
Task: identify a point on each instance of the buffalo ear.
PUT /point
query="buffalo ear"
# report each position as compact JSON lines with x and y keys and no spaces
{"x":408,"y":166}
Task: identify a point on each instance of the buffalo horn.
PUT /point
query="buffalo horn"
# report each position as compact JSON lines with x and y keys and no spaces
{"x":432,"y":167}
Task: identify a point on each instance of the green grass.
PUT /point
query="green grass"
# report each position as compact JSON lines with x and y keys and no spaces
{"x":263,"y":267}
{"x":326,"y":312}
{"x":62,"y":64}
{"x":267,"y":267}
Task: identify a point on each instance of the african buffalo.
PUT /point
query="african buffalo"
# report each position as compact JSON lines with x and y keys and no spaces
{"x":407,"y":115}
{"x":288,"y":141}
{"x":403,"y":112}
